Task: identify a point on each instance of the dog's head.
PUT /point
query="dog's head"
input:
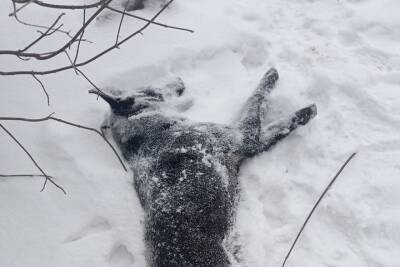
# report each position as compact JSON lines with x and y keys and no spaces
{"x":142,"y":99}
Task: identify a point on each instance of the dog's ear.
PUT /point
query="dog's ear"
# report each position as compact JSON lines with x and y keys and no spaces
{"x":177,"y":87}
{"x":118,"y":105}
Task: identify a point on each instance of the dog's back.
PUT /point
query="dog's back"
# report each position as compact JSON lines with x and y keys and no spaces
{"x":186,"y":178}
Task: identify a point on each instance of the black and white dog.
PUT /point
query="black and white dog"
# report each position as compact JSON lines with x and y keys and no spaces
{"x":186,"y":173}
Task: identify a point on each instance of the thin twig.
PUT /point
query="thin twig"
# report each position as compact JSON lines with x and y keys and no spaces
{"x":87,"y":79}
{"x":53,"y":30}
{"x":16,"y":10}
{"x":23,"y":175}
{"x":153,"y":22}
{"x":77,"y":71}
{"x":120,"y":23}
{"x":41,"y":26}
{"x":48,"y":178}
{"x":43,"y":88}
{"x":48,"y":5}
{"x":315,"y":207}
{"x":35,"y":25}
{"x":46,"y":33}
{"x":80,"y":38}
{"x":72,"y":63}
{"x":99,"y":133}
{"x":50,"y":117}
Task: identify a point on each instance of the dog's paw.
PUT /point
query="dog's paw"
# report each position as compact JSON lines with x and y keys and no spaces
{"x":304,"y":115}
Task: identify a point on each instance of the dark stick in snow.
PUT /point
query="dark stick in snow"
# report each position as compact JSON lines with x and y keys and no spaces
{"x":315,"y":207}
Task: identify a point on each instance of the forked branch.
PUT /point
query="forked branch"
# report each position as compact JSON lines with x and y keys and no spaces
{"x":47,"y":177}
{"x":51,"y":118}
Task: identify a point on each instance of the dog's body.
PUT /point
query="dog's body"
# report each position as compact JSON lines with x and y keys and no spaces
{"x":186,"y":173}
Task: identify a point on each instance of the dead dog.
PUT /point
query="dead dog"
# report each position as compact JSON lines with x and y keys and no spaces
{"x":186,"y":173}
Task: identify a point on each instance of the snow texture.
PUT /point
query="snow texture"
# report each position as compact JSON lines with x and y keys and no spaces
{"x":342,"y":55}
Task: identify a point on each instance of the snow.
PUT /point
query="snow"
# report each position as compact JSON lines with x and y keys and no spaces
{"x":342,"y":55}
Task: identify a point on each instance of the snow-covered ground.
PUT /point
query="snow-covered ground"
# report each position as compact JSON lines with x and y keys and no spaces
{"x":343,"y":55}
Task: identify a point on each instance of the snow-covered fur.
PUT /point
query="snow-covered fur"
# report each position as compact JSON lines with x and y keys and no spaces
{"x":137,"y":4}
{"x":186,"y":173}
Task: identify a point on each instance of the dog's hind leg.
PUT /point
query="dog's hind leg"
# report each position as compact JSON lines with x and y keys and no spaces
{"x":249,"y":123}
{"x":278,"y":130}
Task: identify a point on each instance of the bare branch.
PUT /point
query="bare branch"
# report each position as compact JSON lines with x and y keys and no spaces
{"x":87,"y":79}
{"x":16,"y":10}
{"x":43,"y":88}
{"x":77,"y":71}
{"x":72,"y":63}
{"x":50,"y":117}
{"x":34,"y":25}
{"x":48,"y":5}
{"x":139,"y":31}
{"x":315,"y":207}
{"x":48,"y":178}
{"x":147,"y":20}
{"x":46,"y":33}
{"x":80,"y":38}
{"x":120,"y":23}
{"x":23,"y":176}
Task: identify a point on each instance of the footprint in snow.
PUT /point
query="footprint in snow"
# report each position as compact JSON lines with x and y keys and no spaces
{"x":97,"y":225}
{"x":120,"y":256}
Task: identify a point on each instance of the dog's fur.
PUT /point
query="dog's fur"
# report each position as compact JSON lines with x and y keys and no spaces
{"x":186,"y":173}
{"x":132,"y":5}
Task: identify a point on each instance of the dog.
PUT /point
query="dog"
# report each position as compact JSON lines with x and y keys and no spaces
{"x":185,"y":172}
